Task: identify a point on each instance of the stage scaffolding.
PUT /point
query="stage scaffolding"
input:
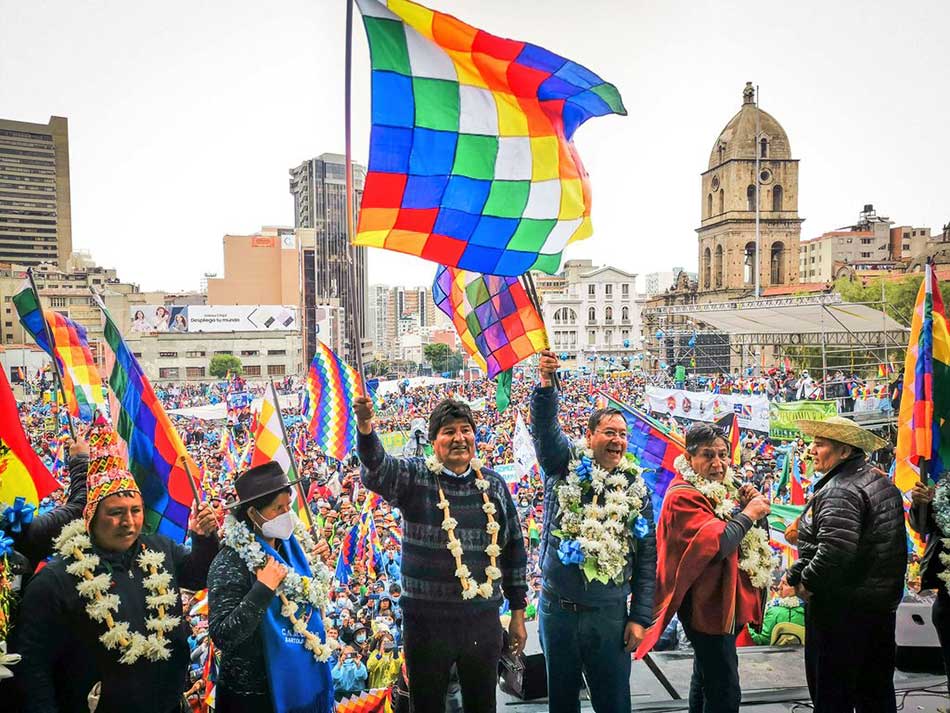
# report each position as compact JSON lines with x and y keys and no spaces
{"x":855,"y":336}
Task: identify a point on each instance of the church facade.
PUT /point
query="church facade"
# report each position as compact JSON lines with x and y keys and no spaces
{"x":727,"y":245}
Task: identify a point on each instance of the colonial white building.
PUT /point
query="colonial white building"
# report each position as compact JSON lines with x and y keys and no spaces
{"x":594,"y":316}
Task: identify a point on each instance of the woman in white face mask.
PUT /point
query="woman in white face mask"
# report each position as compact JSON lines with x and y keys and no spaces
{"x":265,"y":595}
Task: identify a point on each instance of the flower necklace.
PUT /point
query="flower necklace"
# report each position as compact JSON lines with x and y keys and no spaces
{"x":941,"y":508}
{"x":294,"y":590}
{"x":594,"y":535}
{"x":788,"y":602}
{"x":470,"y":586}
{"x":755,"y":553}
{"x":73,"y":543}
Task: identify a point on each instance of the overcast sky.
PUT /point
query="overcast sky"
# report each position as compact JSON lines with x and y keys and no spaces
{"x":184,"y":117}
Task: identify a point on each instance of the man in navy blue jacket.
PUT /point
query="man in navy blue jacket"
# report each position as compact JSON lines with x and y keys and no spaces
{"x":587,"y":628}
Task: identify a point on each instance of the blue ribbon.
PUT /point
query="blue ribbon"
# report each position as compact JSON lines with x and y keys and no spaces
{"x":641,"y":527}
{"x":6,"y":544}
{"x":17,"y":515}
{"x":569,"y":552}
{"x":584,"y":468}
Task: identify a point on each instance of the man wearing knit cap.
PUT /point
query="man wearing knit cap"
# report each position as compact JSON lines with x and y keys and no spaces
{"x":103,"y":621}
{"x":462,"y":552}
{"x":852,"y":549}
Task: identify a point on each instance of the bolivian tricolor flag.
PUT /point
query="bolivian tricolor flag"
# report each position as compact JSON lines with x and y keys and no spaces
{"x":22,"y":473}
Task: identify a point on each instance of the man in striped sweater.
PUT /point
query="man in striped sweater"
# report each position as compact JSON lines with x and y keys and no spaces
{"x":462,"y":549}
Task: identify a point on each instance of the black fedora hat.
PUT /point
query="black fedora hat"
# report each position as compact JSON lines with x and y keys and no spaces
{"x":260,"y":480}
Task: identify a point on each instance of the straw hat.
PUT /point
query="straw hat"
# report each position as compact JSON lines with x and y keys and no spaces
{"x":843,"y":430}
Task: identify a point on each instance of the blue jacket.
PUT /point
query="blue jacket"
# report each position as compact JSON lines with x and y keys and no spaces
{"x":567,"y":581}
{"x":350,"y":677}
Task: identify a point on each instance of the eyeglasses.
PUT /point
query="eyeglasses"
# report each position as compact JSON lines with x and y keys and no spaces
{"x":611,"y":433}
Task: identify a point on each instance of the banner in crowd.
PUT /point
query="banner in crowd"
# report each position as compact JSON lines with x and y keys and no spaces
{"x":478,"y":404}
{"x":508,"y":471}
{"x":752,"y":410}
{"x":783,"y":417}
{"x":213,"y":318}
{"x":393,"y":442}
{"x":523,"y":448}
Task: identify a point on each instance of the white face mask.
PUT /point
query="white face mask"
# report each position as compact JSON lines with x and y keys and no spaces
{"x":280,"y":527}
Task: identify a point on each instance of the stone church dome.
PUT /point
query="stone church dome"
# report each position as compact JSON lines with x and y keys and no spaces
{"x":737,"y":139}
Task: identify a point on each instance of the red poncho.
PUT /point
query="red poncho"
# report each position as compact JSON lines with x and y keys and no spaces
{"x":687,"y":539}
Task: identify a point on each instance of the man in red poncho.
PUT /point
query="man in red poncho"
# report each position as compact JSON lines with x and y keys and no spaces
{"x":712,"y":566}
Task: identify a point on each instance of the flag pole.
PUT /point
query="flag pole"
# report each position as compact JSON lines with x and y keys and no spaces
{"x":191,"y":480}
{"x":52,"y":349}
{"x":529,"y":288}
{"x":293,"y":460}
{"x":356,"y":317}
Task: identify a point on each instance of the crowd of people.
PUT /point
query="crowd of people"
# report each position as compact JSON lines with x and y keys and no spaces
{"x":585,"y":558}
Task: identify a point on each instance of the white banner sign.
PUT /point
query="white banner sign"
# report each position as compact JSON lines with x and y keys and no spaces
{"x":523,"y":448}
{"x":209,"y":318}
{"x":752,"y":410}
{"x":237,"y":318}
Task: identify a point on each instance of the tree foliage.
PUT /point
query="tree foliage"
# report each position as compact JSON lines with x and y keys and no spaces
{"x":221,"y":364}
{"x":378,"y":367}
{"x":442,"y":357}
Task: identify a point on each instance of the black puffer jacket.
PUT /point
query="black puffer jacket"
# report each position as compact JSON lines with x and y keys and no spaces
{"x":851,"y":541}
{"x":62,"y":654}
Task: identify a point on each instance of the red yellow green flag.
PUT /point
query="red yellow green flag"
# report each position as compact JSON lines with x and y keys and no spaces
{"x":22,"y":473}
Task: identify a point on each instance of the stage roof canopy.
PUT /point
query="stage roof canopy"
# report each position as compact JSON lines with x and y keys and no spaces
{"x":790,"y":318}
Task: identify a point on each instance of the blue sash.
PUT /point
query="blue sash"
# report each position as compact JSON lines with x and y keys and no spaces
{"x":298,"y":682}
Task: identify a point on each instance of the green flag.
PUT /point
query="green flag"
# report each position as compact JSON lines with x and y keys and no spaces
{"x":503,"y":390}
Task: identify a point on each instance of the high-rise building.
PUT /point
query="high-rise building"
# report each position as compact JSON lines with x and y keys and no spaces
{"x":398,"y":311}
{"x":752,"y":139}
{"x":319,"y":190}
{"x":259,"y":269}
{"x":35,"y":223}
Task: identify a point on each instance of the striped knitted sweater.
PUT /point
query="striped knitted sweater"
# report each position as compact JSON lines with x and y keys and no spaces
{"x":429,"y":583}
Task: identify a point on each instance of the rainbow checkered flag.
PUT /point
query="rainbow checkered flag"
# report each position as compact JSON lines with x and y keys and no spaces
{"x":81,"y":380}
{"x":472,"y":162}
{"x":923,"y":420}
{"x":332,"y":387}
{"x":493,"y":316}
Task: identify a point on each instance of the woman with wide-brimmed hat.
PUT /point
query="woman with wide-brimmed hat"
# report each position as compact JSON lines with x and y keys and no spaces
{"x":266,"y":593}
{"x":853,"y":556}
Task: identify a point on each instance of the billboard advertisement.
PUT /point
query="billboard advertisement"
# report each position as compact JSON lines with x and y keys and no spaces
{"x":213,"y":318}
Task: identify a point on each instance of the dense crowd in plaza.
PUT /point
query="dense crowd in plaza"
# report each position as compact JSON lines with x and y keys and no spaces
{"x":388,"y":606}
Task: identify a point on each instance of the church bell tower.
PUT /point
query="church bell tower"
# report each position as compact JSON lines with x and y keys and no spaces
{"x":752,"y":150}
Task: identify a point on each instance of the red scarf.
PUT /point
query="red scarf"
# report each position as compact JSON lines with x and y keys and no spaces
{"x":687,"y":539}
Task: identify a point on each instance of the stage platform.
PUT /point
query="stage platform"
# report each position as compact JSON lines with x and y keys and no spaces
{"x":773,"y":681}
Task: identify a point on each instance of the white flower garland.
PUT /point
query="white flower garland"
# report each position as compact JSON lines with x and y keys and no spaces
{"x":601,"y":530}
{"x":470,"y":586}
{"x":73,"y":544}
{"x":755,"y":553}
{"x":787,"y":602}
{"x":941,"y":508}
{"x":295,"y":591}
